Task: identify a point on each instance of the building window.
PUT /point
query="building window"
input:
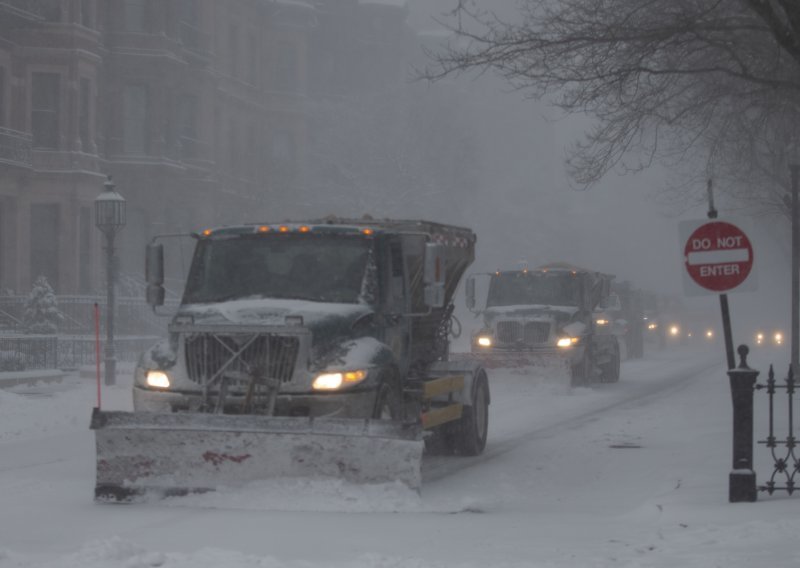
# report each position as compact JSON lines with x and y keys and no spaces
{"x":84,"y":112}
{"x":252,"y":156}
{"x":234,"y":158}
{"x":45,"y":236}
{"x":283,"y":149}
{"x":134,"y":119}
{"x":187,"y":12}
{"x":50,"y":10}
{"x":187,"y":125}
{"x":286,"y":68}
{"x":4,"y":276}
{"x":45,"y":109}
{"x":135,"y":14}
{"x":85,"y":251}
{"x":2,"y":96}
{"x":233,"y":47}
{"x":87,"y":13}
{"x":252,"y":58}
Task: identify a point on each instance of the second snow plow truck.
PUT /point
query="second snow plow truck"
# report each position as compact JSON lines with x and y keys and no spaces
{"x":548,"y":317}
{"x":299,"y":349}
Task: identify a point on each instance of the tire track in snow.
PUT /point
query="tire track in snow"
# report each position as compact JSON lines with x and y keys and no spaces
{"x":438,"y":467}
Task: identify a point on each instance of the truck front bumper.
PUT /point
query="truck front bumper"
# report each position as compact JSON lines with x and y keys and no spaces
{"x":349,"y":404}
{"x":534,"y":357}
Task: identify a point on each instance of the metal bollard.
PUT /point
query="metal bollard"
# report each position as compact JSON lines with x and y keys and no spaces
{"x":742,"y":479}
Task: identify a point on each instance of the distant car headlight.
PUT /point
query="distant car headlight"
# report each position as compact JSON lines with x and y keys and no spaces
{"x":338,"y":379}
{"x":710,"y":333}
{"x":484,"y":341}
{"x":157,"y":379}
{"x":674,"y":330}
{"x":601,"y":322}
{"x":778,"y":337}
{"x":652,"y":325}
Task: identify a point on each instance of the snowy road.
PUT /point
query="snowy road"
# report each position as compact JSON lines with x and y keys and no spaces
{"x":525,"y":408}
{"x":625,"y":467}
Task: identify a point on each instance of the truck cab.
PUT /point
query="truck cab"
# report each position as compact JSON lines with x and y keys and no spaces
{"x":548,"y":314}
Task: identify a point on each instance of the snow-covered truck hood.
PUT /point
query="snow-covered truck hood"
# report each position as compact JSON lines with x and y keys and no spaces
{"x":534,"y":312}
{"x":324,"y":320}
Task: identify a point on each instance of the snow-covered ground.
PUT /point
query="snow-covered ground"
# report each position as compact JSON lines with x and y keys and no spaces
{"x":633,"y":474}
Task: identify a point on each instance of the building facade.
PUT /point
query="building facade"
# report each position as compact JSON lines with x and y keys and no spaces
{"x":196,"y":108}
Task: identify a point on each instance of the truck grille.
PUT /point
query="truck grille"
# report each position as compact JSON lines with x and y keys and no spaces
{"x":238,"y":356}
{"x":530,"y":333}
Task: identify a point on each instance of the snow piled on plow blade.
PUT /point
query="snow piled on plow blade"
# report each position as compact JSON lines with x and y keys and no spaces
{"x":551,"y":364}
{"x":141,"y":453}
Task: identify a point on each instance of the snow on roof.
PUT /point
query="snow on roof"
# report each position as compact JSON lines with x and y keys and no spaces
{"x":297,"y":3}
{"x":396,"y":3}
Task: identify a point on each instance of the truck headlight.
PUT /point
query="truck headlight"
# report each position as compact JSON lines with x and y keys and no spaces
{"x":567,"y":341}
{"x":157,"y":379}
{"x":338,"y":379}
{"x":484,"y":341}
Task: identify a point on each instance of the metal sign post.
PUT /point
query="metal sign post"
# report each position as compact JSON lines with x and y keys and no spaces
{"x":723,"y":298}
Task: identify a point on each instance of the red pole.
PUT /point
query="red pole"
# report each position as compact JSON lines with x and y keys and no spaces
{"x":97,"y":348}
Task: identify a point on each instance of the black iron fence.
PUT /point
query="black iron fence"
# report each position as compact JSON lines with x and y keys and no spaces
{"x":786,"y":466}
{"x":30,"y":352}
{"x":779,"y":440}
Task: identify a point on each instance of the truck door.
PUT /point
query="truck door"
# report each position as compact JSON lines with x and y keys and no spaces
{"x":396,"y":328}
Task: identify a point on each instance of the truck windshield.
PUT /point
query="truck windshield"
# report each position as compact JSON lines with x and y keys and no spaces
{"x":321,"y":268}
{"x":533,"y":288}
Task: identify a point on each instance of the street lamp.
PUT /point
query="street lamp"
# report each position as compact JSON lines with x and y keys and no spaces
{"x":109,"y":217}
{"x":794,"y":169}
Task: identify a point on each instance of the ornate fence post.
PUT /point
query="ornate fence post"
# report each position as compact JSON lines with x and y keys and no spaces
{"x":742,"y":479}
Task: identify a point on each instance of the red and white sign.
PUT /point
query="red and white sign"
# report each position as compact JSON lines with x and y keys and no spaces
{"x":718,"y":257}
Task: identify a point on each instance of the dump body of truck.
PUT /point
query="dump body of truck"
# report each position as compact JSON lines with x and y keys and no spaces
{"x":628,"y":313}
{"x":307,"y":333}
{"x":548,"y":317}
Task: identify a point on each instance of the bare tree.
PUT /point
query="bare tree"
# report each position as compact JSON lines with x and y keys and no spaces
{"x":710,"y":83}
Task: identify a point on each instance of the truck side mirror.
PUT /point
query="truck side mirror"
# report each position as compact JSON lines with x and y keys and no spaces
{"x":154,"y":274}
{"x":470,"y":293}
{"x":434,"y":275}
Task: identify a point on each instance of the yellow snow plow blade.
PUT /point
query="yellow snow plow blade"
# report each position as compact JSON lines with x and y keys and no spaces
{"x":174,"y":454}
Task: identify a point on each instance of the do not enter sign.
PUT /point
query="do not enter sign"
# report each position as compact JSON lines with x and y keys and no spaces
{"x":718,"y":256}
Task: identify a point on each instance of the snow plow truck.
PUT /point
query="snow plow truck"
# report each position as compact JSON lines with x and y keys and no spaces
{"x":550,"y":318}
{"x":308,"y":349}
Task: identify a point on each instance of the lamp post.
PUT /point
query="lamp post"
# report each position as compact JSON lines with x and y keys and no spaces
{"x":794,"y":168}
{"x":109,"y":217}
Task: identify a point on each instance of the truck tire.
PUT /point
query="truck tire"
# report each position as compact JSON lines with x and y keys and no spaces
{"x":473,"y":428}
{"x":579,"y":372}
{"x":609,"y":372}
{"x":387,"y":402}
